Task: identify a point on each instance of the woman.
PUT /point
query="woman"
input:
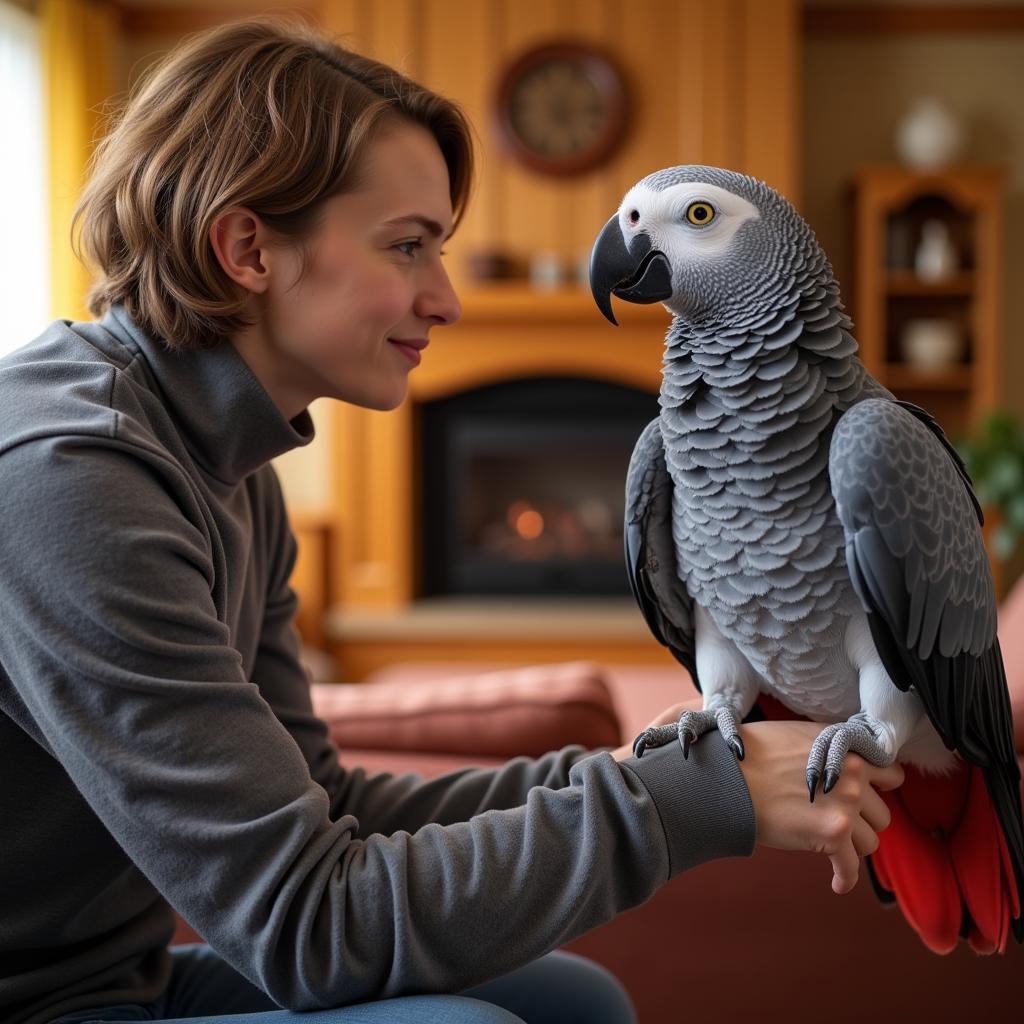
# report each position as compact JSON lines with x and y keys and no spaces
{"x":267,"y":222}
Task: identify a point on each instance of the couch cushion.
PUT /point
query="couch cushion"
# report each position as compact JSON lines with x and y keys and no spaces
{"x":496,"y":714}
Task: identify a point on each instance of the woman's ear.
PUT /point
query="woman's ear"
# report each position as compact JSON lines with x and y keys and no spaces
{"x":238,"y":237}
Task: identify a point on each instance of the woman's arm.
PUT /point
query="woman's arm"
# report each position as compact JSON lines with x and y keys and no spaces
{"x":382,"y":802}
{"x":121,"y":664}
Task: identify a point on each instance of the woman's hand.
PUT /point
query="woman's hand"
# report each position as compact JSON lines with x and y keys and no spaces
{"x":843,"y":824}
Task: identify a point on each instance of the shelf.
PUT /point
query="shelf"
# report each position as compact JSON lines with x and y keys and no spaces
{"x":892,"y":206}
{"x":906,"y":282}
{"x":901,"y":377}
{"x":611,"y":619}
{"x":492,"y":631}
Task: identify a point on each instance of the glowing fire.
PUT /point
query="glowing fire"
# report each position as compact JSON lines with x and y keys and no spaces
{"x":527,"y":522}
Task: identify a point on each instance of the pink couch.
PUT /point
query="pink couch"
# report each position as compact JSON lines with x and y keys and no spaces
{"x":760,"y":939}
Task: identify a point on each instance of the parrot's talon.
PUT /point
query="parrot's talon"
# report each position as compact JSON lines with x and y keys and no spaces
{"x":812,"y":782}
{"x":687,"y":737}
{"x":653,"y":736}
{"x":691,"y":725}
{"x":858,"y":734}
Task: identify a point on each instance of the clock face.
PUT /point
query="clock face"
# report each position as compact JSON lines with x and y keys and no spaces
{"x":561,"y":109}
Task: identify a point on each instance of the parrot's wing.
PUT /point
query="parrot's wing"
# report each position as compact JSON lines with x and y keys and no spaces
{"x":650,"y":550}
{"x":917,"y":561}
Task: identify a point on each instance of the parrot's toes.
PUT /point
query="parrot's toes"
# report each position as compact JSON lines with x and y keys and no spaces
{"x":687,"y":736}
{"x":828,"y":752}
{"x":655,"y":736}
{"x":737,"y":747}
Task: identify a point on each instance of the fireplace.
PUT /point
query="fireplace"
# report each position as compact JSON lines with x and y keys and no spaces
{"x":523,"y":487}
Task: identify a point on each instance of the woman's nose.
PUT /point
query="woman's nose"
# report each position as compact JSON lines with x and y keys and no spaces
{"x":438,"y":301}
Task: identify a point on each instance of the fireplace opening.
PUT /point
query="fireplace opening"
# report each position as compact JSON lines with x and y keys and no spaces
{"x":523,"y":487}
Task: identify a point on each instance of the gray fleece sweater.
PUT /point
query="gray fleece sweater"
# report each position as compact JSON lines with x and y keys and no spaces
{"x":158,"y":748}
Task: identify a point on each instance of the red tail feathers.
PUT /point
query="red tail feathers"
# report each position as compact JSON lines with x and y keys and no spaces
{"x":945,"y":860}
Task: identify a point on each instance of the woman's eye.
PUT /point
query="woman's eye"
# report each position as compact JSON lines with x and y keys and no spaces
{"x":409,"y":248}
{"x":700,"y":213}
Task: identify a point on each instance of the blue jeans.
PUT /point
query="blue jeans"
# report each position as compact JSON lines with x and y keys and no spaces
{"x":559,"y":987}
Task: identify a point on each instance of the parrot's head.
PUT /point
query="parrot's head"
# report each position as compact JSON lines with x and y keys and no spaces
{"x":721,"y":250}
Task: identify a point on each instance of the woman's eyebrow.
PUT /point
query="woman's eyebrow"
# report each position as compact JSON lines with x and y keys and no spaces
{"x":429,"y":225}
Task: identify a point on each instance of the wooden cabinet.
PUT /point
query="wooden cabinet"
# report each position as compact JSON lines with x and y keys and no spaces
{"x":928,"y":287}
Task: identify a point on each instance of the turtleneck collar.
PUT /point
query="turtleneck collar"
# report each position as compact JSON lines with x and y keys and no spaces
{"x":228,"y":421}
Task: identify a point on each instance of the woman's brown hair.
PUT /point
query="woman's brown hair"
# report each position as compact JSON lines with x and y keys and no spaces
{"x":262,"y":113}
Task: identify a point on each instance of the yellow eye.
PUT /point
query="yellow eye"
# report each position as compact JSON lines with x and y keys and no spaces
{"x":700,"y":213}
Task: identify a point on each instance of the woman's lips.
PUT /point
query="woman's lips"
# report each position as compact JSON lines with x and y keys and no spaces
{"x":410,"y":348}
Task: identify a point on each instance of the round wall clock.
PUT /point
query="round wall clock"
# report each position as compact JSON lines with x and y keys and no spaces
{"x":561,"y":108}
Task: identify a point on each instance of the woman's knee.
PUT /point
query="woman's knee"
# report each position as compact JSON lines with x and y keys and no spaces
{"x":464,"y":1010}
{"x":560,"y":988}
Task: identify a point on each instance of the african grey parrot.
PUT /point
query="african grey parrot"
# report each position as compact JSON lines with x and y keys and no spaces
{"x":793,"y":530}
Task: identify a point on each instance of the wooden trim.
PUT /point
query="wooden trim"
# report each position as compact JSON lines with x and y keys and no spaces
{"x":870,"y":20}
{"x":358,"y":659}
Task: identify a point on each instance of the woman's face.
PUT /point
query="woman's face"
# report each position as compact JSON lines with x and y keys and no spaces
{"x":357,"y":322}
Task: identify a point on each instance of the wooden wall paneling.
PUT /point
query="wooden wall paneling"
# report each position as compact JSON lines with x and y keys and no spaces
{"x":311,"y":577}
{"x":533,"y":214}
{"x":396,"y":34}
{"x":350,"y":547}
{"x":373,"y":559}
{"x":348,"y":20}
{"x":392,"y":501}
{"x":771,"y":94}
{"x":661,"y":86}
{"x":458,"y":62}
{"x":723,"y":41}
{"x":589,"y":199}
{"x":687,"y":84}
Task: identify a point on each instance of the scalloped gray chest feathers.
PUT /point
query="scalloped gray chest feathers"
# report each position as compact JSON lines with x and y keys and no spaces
{"x":747,"y":417}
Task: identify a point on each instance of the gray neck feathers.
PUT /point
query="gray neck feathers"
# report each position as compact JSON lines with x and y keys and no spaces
{"x":760,"y":400}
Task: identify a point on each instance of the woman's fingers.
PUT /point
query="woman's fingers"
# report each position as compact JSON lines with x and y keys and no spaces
{"x":886,"y":778}
{"x":845,"y":867}
{"x":865,"y":838}
{"x":854,"y":842}
{"x":875,"y":811}
{"x":865,"y":815}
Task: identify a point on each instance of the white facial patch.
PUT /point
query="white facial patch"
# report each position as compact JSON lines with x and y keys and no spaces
{"x":662,"y":216}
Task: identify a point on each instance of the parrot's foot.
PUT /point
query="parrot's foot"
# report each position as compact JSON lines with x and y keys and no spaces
{"x":689,"y":728}
{"x":861,"y":734}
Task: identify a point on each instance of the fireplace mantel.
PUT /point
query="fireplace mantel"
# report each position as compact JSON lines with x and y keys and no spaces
{"x":514,"y":331}
{"x":506,"y":332}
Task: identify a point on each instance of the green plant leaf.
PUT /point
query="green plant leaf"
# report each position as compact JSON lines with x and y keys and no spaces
{"x":1005,"y":474}
{"x":1004,"y":541}
{"x":1014,"y":511}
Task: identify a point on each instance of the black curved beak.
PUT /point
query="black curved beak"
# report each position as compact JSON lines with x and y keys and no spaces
{"x":639,"y":273}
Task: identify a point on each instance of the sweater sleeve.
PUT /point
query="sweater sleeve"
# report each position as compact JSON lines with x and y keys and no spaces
{"x":123,"y":669}
{"x":382,"y":802}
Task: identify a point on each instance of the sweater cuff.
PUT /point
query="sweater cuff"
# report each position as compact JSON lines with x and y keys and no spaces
{"x":703,"y":801}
